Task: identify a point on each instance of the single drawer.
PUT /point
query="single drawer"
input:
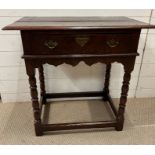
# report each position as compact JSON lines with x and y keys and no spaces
{"x":55,"y":44}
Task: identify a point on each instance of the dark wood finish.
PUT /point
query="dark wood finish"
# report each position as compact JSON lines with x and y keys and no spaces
{"x":124,"y":41}
{"x":77,"y":56}
{"x":76,"y":23}
{"x":58,"y":40}
{"x":74,"y":94}
{"x":79,"y":125}
{"x":128,"y":68}
{"x":42,"y":84}
{"x":34,"y":97}
{"x":107,"y":80}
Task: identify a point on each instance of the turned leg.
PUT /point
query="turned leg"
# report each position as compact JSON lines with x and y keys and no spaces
{"x":42,"y":84}
{"x":124,"y":94}
{"x":107,"y":80}
{"x":34,"y":98}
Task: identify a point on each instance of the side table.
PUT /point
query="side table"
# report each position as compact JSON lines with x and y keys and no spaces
{"x":58,"y":40}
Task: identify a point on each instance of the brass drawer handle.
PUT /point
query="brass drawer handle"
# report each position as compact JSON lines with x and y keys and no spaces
{"x":82,"y":40}
{"x":112,"y":43}
{"x":51,"y":44}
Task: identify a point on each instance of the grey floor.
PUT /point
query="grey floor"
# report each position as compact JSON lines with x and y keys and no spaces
{"x":16,"y":123}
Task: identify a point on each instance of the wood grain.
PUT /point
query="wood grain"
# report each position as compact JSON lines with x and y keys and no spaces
{"x":65,"y":23}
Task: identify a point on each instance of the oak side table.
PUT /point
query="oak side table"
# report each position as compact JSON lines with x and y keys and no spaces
{"x":58,"y":40}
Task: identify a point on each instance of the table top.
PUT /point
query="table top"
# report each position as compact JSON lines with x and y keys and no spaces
{"x":67,"y":23}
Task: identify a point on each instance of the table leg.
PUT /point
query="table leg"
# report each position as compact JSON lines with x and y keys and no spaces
{"x":124,"y":93}
{"x":107,"y":80}
{"x":34,"y":98}
{"x":42,"y":83}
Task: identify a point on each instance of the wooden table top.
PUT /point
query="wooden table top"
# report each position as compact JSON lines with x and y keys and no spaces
{"x":67,"y":23}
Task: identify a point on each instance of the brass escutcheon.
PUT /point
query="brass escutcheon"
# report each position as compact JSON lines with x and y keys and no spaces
{"x":112,"y":43}
{"x":81,"y":40}
{"x":51,"y":44}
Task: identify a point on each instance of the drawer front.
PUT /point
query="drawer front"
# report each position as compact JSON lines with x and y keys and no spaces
{"x":55,"y":44}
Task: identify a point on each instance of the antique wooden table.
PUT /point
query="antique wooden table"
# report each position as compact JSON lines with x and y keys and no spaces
{"x":58,"y":40}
